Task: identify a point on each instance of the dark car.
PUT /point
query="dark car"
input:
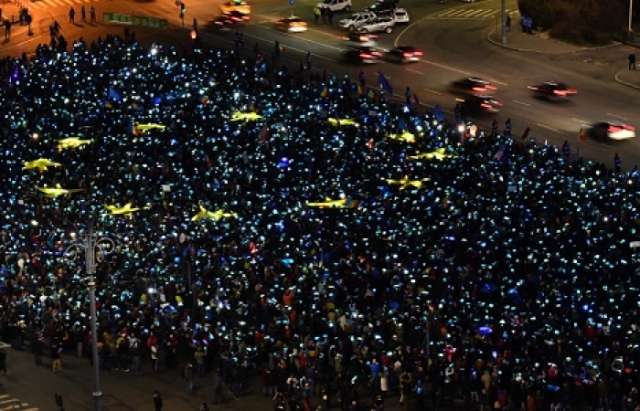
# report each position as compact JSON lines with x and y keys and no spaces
{"x":612,"y":131}
{"x":404,"y":54}
{"x":362,"y":55}
{"x":382,"y":5}
{"x":473,"y":86}
{"x":478,"y":105}
{"x":553,"y":91}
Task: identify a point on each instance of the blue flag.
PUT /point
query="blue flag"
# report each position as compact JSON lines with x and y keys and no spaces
{"x":114,"y":95}
{"x":384,"y":83}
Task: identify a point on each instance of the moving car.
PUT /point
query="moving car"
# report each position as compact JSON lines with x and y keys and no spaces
{"x":239,"y":6}
{"x":378,"y":24}
{"x":404,"y":54}
{"x":356,"y":20}
{"x":229,"y":21}
{"x":473,"y":86}
{"x":616,"y":131}
{"x":335,"y":5}
{"x":552,"y":90}
{"x":291,"y":24}
{"x":477,"y":105}
{"x":362,"y":54}
{"x":360,"y":39}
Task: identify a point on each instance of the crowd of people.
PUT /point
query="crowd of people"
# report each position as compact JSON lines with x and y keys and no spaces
{"x":504,"y":278}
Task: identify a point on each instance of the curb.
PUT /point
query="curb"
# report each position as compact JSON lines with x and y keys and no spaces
{"x":616,"y":77}
{"x":522,"y":50}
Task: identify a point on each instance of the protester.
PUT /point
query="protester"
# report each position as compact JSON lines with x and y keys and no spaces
{"x":504,"y":276}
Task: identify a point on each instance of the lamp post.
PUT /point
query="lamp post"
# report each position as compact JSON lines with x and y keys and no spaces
{"x":503,"y":21}
{"x":630,"y":17}
{"x":91,"y":245}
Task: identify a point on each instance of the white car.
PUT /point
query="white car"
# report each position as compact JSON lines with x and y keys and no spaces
{"x":356,"y":20}
{"x":378,"y":24}
{"x":398,"y":15}
{"x":335,"y":5}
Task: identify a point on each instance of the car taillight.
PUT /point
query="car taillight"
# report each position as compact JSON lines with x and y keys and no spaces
{"x":490,"y":87}
{"x":418,"y":53}
{"x":365,"y":56}
{"x":621,"y":127}
{"x":560,"y":92}
{"x":478,"y":89}
{"x":572,"y":91}
{"x":406,"y":54}
{"x":486,"y":106}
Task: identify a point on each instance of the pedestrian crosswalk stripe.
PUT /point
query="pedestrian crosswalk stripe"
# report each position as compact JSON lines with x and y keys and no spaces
{"x":464,"y":13}
{"x":9,"y":403}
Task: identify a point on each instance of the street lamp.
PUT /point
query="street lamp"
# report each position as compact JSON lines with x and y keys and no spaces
{"x":91,"y":244}
{"x":630,"y":16}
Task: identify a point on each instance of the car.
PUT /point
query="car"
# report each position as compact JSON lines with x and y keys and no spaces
{"x":473,"y":86}
{"x":382,"y":5}
{"x":226,"y":22}
{"x":362,"y":54}
{"x":400,"y":16}
{"x":404,"y":54}
{"x":239,"y":6}
{"x":335,"y":5}
{"x":478,"y":105}
{"x":378,"y":24}
{"x":611,"y":130}
{"x":291,"y":24}
{"x":356,"y":20}
{"x":360,"y":39}
{"x":552,"y":90}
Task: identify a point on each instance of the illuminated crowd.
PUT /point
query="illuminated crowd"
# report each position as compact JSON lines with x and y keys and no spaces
{"x":304,"y":231}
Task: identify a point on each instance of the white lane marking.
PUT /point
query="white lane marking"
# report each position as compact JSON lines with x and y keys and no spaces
{"x":447,"y":13}
{"x":437,"y":93}
{"x":522,"y":103}
{"x":616,"y":116}
{"x":547,"y":127}
{"x":472,"y":13}
{"x":415,"y":71}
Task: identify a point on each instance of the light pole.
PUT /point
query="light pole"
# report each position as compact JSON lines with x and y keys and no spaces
{"x":630,"y":17}
{"x":91,"y":245}
{"x":503,"y":21}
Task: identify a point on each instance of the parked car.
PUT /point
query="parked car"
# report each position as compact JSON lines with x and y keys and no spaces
{"x":335,"y":5}
{"x":400,"y":16}
{"x":382,"y":5}
{"x":378,"y":24}
{"x":404,"y":54}
{"x":356,"y":20}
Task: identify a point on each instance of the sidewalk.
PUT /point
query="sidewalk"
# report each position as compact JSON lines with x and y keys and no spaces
{"x":539,"y":42}
{"x":629,"y":78}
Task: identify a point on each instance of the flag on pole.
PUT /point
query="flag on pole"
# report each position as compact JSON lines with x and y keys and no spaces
{"x":384,"y":83}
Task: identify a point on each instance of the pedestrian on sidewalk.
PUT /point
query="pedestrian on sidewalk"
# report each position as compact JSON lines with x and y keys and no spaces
{"x":7,"y":29}
{"x":508,"y":23}
{"x":83,"y":13}
{"x":59,"y":401}
{"x":92,"y":13}
{"x":56,"y":360}
{"x":157,"y":400}
{"x":3,"y":361}
{"x":316,"y":14}
{"x":330,"y":15}
{"x":632,"y":61}
{"x":72,"y":15}
{"x":29,"y":20}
